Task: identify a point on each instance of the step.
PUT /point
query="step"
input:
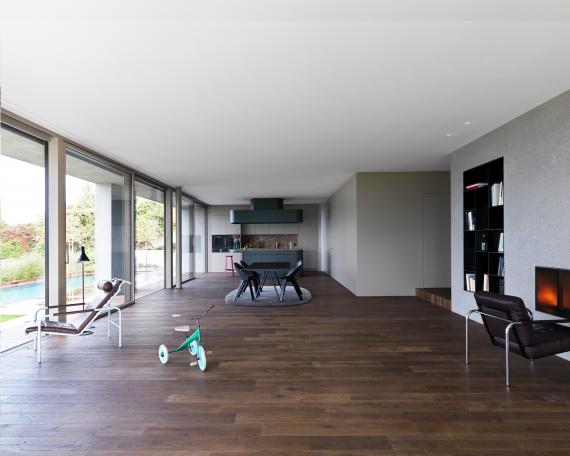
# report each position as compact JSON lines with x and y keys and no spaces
{"x":438,"y":296}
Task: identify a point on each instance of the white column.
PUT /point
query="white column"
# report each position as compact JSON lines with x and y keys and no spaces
{"x":103,"y":232}
{"x":178,"y":238}
{"x":168,"y":239}
{"x":56,"y":224}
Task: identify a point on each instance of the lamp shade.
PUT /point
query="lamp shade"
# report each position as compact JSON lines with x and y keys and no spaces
{"x":83,"y":258}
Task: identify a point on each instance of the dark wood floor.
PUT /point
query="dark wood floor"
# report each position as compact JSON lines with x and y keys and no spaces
{"x":340,"y":375}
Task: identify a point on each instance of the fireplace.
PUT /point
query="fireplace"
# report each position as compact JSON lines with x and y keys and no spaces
{"x":552,"y":291}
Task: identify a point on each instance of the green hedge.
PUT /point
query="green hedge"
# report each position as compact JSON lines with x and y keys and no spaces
{"x":28,"y":267}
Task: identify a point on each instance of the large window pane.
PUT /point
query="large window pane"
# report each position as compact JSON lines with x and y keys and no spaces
{"x":22,"y":233}
{"x":98,"y":205}
{"x":199,"y":239}
{"x":149,"y":239}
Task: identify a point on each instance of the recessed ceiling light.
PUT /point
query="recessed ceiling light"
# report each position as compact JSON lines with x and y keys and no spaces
{"x":467,"y":123}
{"x":449,"y":135}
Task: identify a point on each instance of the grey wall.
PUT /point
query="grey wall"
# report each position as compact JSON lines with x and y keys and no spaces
{"x":376,"y":235}
{"x":536,"y":151}
{"x":341,"y":252}
{"x":437,"y":240}
{"x":391,"y":234}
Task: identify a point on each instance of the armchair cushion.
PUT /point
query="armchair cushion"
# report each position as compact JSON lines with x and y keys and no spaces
{"x":54,"y":327}
{"x":510,"y":308}
{"x":549,"y":339}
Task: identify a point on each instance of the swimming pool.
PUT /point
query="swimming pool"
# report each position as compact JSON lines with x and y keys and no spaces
{"x":36,"y":290}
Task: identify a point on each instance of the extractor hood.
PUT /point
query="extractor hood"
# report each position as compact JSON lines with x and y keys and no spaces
{"x":266,"y":210}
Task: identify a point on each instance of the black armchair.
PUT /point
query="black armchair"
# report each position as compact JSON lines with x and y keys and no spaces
{"x":290,"y":277}
{"x":248,"y":279}
{"x":510,"y":325}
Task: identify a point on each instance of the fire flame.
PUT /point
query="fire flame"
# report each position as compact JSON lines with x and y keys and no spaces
{"x":547,"y":295}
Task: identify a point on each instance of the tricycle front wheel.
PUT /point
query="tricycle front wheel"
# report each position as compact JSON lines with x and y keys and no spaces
{"x":163,"y":354}
{"x":201,"y":355}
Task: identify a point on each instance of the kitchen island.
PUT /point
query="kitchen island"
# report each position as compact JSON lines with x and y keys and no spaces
{"x":291,"y":256}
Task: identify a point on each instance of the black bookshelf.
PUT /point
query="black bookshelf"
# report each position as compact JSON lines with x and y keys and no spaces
{"x":483,"y":225}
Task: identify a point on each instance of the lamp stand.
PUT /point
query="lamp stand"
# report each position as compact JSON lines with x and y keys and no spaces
{"x":83,"y":284}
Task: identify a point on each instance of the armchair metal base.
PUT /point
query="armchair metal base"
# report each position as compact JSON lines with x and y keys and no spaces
{"x":510,"y":326}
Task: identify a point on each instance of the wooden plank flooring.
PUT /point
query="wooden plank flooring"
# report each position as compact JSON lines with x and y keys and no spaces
{"x":340,"y":375}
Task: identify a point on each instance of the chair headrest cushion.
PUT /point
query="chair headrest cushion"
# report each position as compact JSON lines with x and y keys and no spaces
{"x":105,"y":285}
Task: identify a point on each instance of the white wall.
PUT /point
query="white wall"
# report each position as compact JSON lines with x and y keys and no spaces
{"x":390,"y":231}
{"x":536,"y":151}
{"x":341,"y":236}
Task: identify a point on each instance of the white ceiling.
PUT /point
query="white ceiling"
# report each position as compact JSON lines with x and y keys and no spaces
{"x":251,"y":98}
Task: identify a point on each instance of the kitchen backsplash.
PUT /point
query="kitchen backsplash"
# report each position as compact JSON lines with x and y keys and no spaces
{"x":268,"y":241}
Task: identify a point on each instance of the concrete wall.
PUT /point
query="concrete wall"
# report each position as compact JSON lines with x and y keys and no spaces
{"x":536,"y":151}
{"x":307,"y":233}
{"x":391,"y":234}
{"x":341,"y":246}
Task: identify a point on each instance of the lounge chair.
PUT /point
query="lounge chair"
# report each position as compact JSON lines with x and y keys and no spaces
{"x":511,"y":326}
{"x":43,"y":325}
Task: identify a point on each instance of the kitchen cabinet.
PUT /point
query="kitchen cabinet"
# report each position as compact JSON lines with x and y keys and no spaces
{"x":218,"y":224}
{"x":262,"y":228}
{"x":290,"y":228}
{"x":248,"y":228}
{"x":276,"y":228}
{"x":218,"y":260}
{"x":233,"y":228}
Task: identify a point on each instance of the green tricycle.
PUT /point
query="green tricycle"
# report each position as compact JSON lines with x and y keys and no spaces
{"x":193,"y":342}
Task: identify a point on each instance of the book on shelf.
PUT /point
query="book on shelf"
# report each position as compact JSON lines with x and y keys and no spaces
{"x":501,"y":246}
{"x":486,"y":282}
{"x":476,"y":186}
{"x":470,"y":220}
{"x":497,"y":194}
{"x":502,"y":286}
{"x":501,"y":268}
{"x":470,"y":282}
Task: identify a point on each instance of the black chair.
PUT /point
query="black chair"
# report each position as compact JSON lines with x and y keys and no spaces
{"x":290,"y":277}
{"x":510,"y":325}
{"x":248,"y":279}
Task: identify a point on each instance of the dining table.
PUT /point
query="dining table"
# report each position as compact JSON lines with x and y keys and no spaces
{"x":269,"y":269}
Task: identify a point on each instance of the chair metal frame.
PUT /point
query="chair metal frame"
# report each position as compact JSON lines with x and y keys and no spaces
{"x":509,"y":327}
{"x":108,"y":308}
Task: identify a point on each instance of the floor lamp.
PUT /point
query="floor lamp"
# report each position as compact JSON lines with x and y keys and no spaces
{"x":83,"y":258}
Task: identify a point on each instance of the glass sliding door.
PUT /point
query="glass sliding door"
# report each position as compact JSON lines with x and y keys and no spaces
{"x":98,"y":222}
{"x":22,"y":233}
{"x":149,"y":239}
{"x":187,"y":239}
{"x":199,"y":239}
